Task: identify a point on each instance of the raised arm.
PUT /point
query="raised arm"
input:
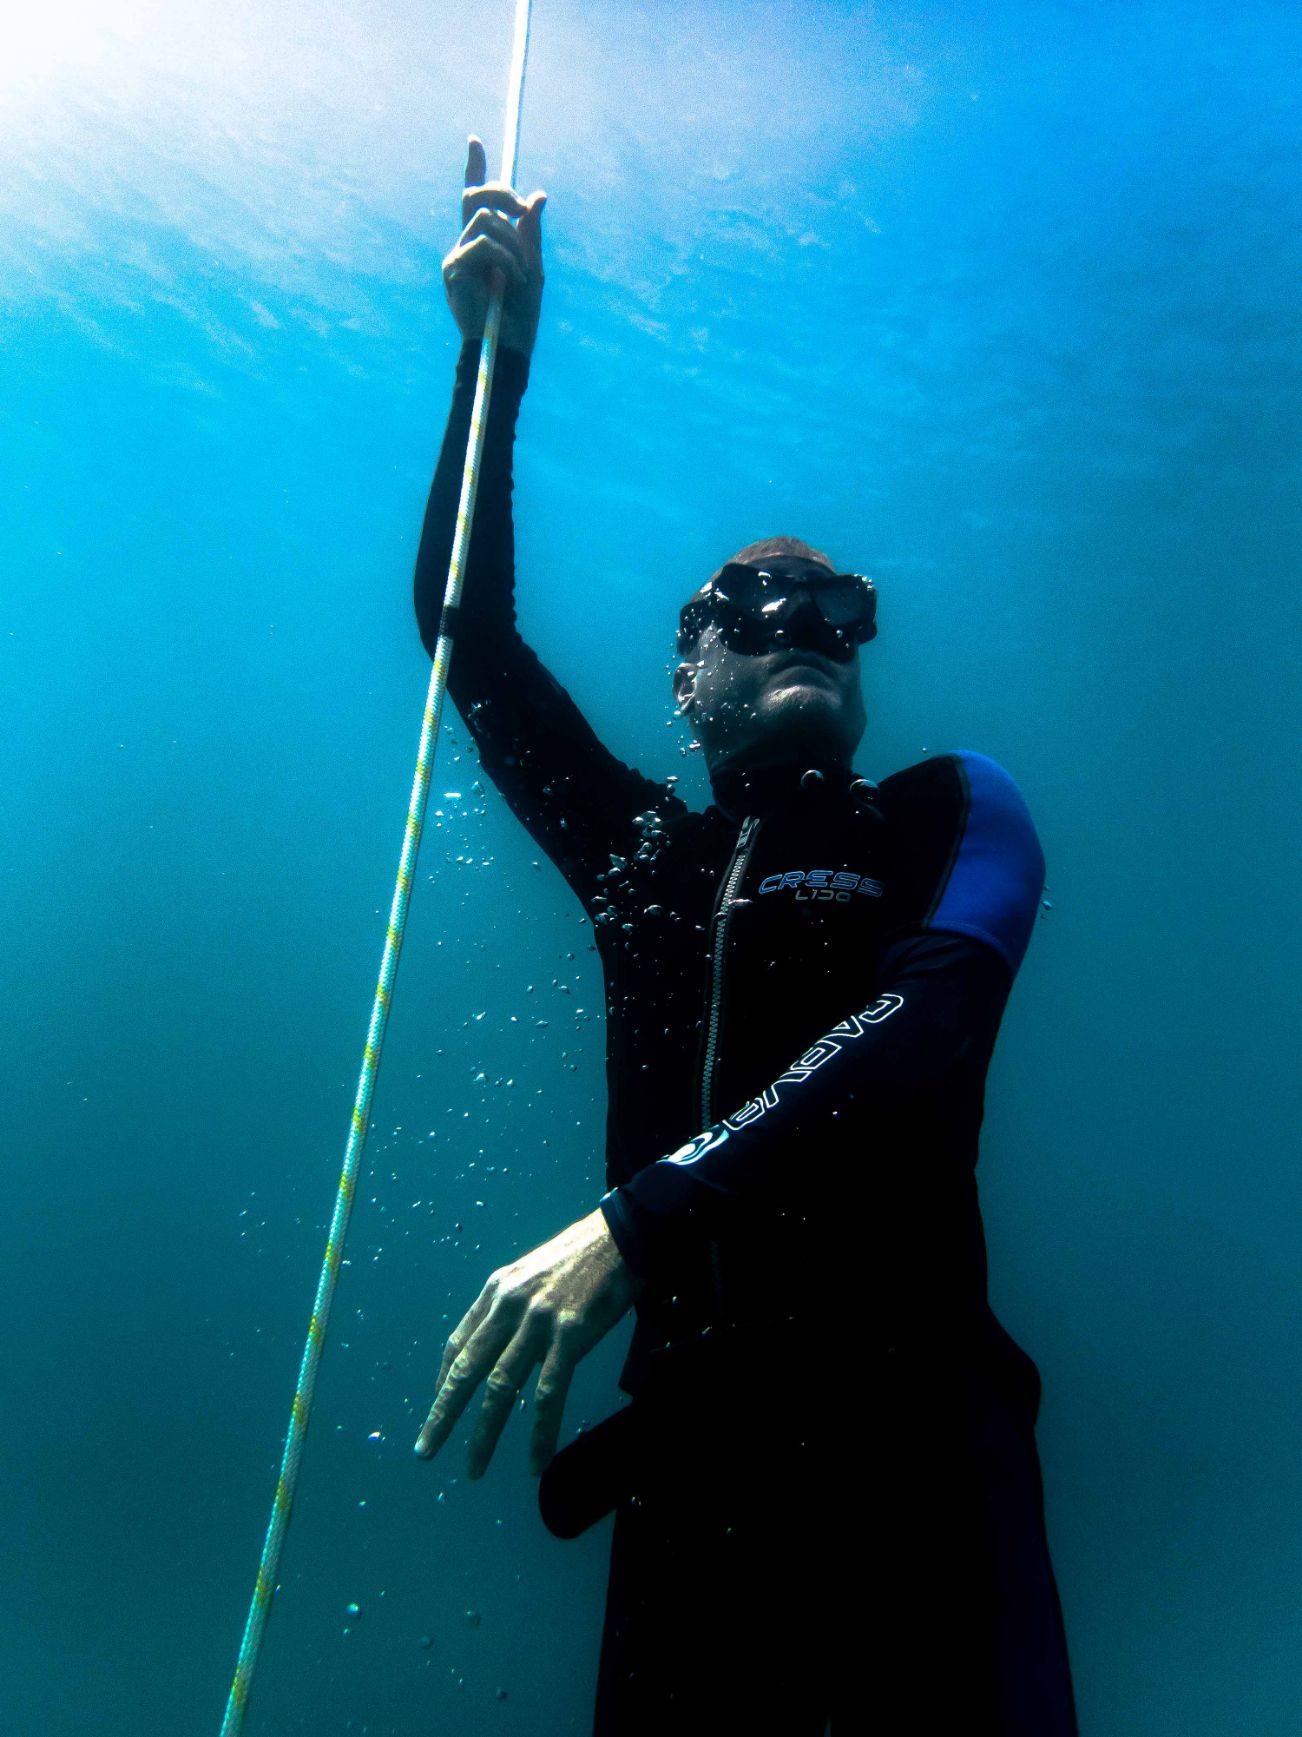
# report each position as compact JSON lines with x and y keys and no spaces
{"x":576,"y":799}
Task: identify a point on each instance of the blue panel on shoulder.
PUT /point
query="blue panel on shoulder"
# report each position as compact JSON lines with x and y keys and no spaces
{"x":996,"y":877}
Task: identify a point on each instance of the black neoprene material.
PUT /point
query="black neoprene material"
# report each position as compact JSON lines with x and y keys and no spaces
{"x":795,"y":1079}
{"x":879,"y":1139}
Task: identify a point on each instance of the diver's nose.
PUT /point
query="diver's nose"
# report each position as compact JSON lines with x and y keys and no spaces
{"x":800,"y":615}
{"x":828,"y":642}
{"x":802,"y":624}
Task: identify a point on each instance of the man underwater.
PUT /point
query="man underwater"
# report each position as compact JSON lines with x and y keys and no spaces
{"x":826,"y":1488}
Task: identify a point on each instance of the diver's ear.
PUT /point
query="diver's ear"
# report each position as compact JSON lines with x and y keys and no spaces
{"x":684,"y":687}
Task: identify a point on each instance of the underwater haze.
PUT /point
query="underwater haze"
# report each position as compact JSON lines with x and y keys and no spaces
{"x":995,"y":302}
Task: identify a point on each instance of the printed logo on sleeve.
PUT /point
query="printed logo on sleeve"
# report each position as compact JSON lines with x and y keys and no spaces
{"x":829,"y":1046}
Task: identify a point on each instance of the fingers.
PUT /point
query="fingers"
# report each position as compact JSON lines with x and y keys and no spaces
{"x":451,"y":1351}
{"x":492,"y":196}
{"x":490,"y":226}
{"x":467,"y":1327}
{"x":529,"y":232}
{"x":549,"y":1405}
{"x":454,"y":1394}
{"x":502,"y":1388}
{"x":483,"y":259}
{"x":465,"y":1358}
{"x":508,"y":1358}
{"x":481,"y":193}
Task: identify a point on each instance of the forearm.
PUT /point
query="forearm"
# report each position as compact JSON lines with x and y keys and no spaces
{"x":940,"y":996}
{"x":488,"y":596}
{"x":576,"y":799}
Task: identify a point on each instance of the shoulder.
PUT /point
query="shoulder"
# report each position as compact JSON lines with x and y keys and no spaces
{"x":966,"y":849}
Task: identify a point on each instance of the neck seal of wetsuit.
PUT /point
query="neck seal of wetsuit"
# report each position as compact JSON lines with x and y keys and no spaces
{"x":740,"y":791}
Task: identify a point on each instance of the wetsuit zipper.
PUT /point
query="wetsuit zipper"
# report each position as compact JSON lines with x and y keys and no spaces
{"x":714,"y":1009}
{"x":722,"y":918}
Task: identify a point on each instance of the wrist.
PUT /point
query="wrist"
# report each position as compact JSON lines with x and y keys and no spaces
{"x":512,"y":363}
{"x":614,"y":1209}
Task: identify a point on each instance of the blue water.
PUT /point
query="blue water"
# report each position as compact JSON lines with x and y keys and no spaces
{"x":996,"y":302}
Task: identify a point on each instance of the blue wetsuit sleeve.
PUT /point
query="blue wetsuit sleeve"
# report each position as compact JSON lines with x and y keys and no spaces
{"x":939,"y":999}
{"x":577,"y":800}
{"x":993,"y":881}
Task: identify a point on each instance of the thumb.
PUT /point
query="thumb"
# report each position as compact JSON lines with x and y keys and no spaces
{"x":476,"y":162}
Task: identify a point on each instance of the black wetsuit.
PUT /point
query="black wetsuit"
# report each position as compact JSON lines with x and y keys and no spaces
{"x":827,"y":1492}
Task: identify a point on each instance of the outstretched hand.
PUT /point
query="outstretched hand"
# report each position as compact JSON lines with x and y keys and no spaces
{"x":500,"y":241}
{"x":549,"y":1307}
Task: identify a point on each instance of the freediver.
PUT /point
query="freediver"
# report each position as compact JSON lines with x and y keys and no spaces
{"x":826,"y":1487}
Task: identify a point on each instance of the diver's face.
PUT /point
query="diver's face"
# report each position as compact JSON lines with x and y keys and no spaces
{"x":785,"y":703}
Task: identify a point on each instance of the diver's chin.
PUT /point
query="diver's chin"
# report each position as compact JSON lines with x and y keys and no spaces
{"x":804,"y":720}
{"x":790,"y":721}
{"x":802,"y":700}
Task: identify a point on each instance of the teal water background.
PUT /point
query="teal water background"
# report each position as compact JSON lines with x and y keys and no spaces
{"x":996,"y":302}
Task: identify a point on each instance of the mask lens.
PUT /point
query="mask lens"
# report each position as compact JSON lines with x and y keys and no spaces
{"x":842,"y":601}
{"x":746,"y":591}
{"x":752,"y":606}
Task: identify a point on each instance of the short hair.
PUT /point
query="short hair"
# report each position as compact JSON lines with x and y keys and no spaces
{"x":772,"y":548}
